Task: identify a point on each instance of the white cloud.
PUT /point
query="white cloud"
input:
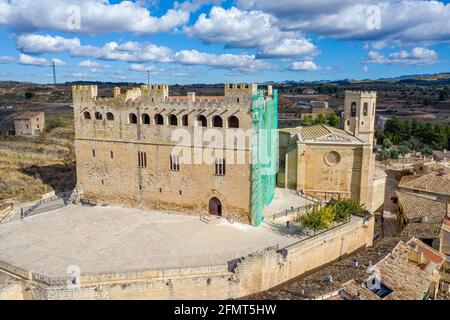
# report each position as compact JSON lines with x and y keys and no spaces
{"x":249,"y":29}
{"x":6,"y":59}
{"x":128,"y":51}
{"x":75,"y":75}
{"x":36,"y":61}
{"x":246,"y":63}
{"x":143,"y":68}
{"x":404,"y":21}
{"x":306,"y":65}
{"x":34,"y":43}
{"x":92,"y":64}
{"x":365,"y":69}
{"x":417,"y":56}
{"x":96,"y":16}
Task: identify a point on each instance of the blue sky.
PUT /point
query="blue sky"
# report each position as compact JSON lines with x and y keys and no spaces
{"x":213,"y":41}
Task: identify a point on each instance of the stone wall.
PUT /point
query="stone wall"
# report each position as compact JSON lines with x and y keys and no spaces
{"x":250,"y":274}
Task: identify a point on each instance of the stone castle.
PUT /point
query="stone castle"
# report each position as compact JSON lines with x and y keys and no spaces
{"x":125,"y":150}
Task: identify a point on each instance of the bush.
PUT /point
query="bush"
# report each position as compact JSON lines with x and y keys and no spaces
{"x":29,"y":95}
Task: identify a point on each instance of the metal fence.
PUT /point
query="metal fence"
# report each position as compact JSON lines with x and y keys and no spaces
{"x":65,"y":196}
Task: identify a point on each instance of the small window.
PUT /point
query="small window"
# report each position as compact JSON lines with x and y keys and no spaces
{"x":109,"y":116}
{"x":133,"y":118}
{"x":140,"y":187}
{"x":87,"y":115}
{"x":217,"y":122}
{"x":160,"y":190}
{"x":145,"y":119}
{"x":112,"y":155}
{"x":38,"y":126}
{"x":233,"y":122}
{"x":202,"y":122}
{"x":238,"y":100}
{"x":98,"y":116}
{"x":142,"y":159}
{"x":37,"y":119}
{"x":185,"y":120}
{"x":173,"y":121}
{"x":93,"y":153}
{"x":180,"y":192}
{"x":103,"y":182}
{"x":174,"y":163}
{"x":159,"y":120}
{"x":353,"y":109}
{"x":220,"y":167}
{"x":366,"y":109}
{"x":27,"y":126}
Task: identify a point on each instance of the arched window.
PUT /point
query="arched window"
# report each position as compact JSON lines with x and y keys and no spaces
{"x":145,"y":118}
{"x":133,"y":118}
{"x":366,"y":109}
{"x":217,"y":122}
{"x":353,"y":109}
{"x":98,"y":116}
{"x":173,"y":121}
{"x":185,"y":120}
{"x":202,"y":122}
{"x":233,"y":122}
{"x":159,"y":120}
{"x":87,"y":115}
{"x":109,"y":116}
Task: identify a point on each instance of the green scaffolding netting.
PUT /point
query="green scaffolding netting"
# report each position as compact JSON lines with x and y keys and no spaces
{"x":264,"y":153}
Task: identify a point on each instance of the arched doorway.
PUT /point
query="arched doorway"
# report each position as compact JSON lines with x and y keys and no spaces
{"x":215,"y":207}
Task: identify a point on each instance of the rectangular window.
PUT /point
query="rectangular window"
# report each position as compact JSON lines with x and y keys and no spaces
{"x":112,"y":155}
{"x":142,"y":159}
{"x":93,"y":153}
{"x":174,"y":163}
{"x":220,"y":167}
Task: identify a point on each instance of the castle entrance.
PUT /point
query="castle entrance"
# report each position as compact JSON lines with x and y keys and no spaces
{"x":215,"y":207}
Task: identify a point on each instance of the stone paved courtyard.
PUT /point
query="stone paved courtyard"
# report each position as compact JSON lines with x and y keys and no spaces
{"x":105,"y":239}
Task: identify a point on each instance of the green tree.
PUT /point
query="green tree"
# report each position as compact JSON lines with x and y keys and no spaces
{"x":321,"y":119}
{"x":414,"y":144}
{"x":308,"y":120}
{"x":443,"y":95}
{"x":403,"y":150}
{"x":334,"y":120}
{"x":29,"y":95}
{"x":387,"y":143}
{"x":440,"y":140}
{"x":426,"y":150}
{"x":384,"y":154}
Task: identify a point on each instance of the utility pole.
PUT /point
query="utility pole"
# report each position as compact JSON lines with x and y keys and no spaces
{"x":54,"y":73}
{"x":148,"y":77}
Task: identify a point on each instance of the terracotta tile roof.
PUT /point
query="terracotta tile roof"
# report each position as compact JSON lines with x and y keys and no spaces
{"x":355,"y":291}
{"x":422,"y":230}
{"x":406,"y":280}
{"x":28,"y":115}
{"x":437,"y":181}
{"x":323,"y":133}
{"x":428,"y":252}
{"x":415,"y":206}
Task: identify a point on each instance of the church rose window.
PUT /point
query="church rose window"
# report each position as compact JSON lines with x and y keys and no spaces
{"x":332,"y":158}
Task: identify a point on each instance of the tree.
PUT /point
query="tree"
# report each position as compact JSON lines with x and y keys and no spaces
{"x":334,"y":120}
{"x":387,"y":143}
{"x":308,"y":120}
{"x":440,"y":139}
{"x":29,"y":95}
{"x":403,"y":150}
{"x":321,"y":119}
{"x":384,"y":154}
{"x":414,"y":144}
{"x":426,"y":150}
{"x":443,"y":95}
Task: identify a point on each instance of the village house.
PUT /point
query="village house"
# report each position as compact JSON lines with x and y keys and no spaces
{"x":30,"y":124}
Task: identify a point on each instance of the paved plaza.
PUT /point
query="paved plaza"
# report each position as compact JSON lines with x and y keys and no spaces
{"x":113,"y":239}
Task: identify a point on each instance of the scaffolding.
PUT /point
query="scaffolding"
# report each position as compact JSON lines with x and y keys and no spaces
{"x":264,"y":152}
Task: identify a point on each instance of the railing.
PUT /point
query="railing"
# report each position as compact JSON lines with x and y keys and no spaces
{"x":65,"y":196}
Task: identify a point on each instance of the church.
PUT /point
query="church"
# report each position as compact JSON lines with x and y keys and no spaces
{"x":327,"y":162}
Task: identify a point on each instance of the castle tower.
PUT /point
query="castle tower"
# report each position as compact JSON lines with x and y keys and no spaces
{"x":359,"y":114}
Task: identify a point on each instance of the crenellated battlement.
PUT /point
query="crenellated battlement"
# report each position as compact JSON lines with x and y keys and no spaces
{"x":84,"y":92}
{"x":360,"y":94}
{"x":241,"y":89}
